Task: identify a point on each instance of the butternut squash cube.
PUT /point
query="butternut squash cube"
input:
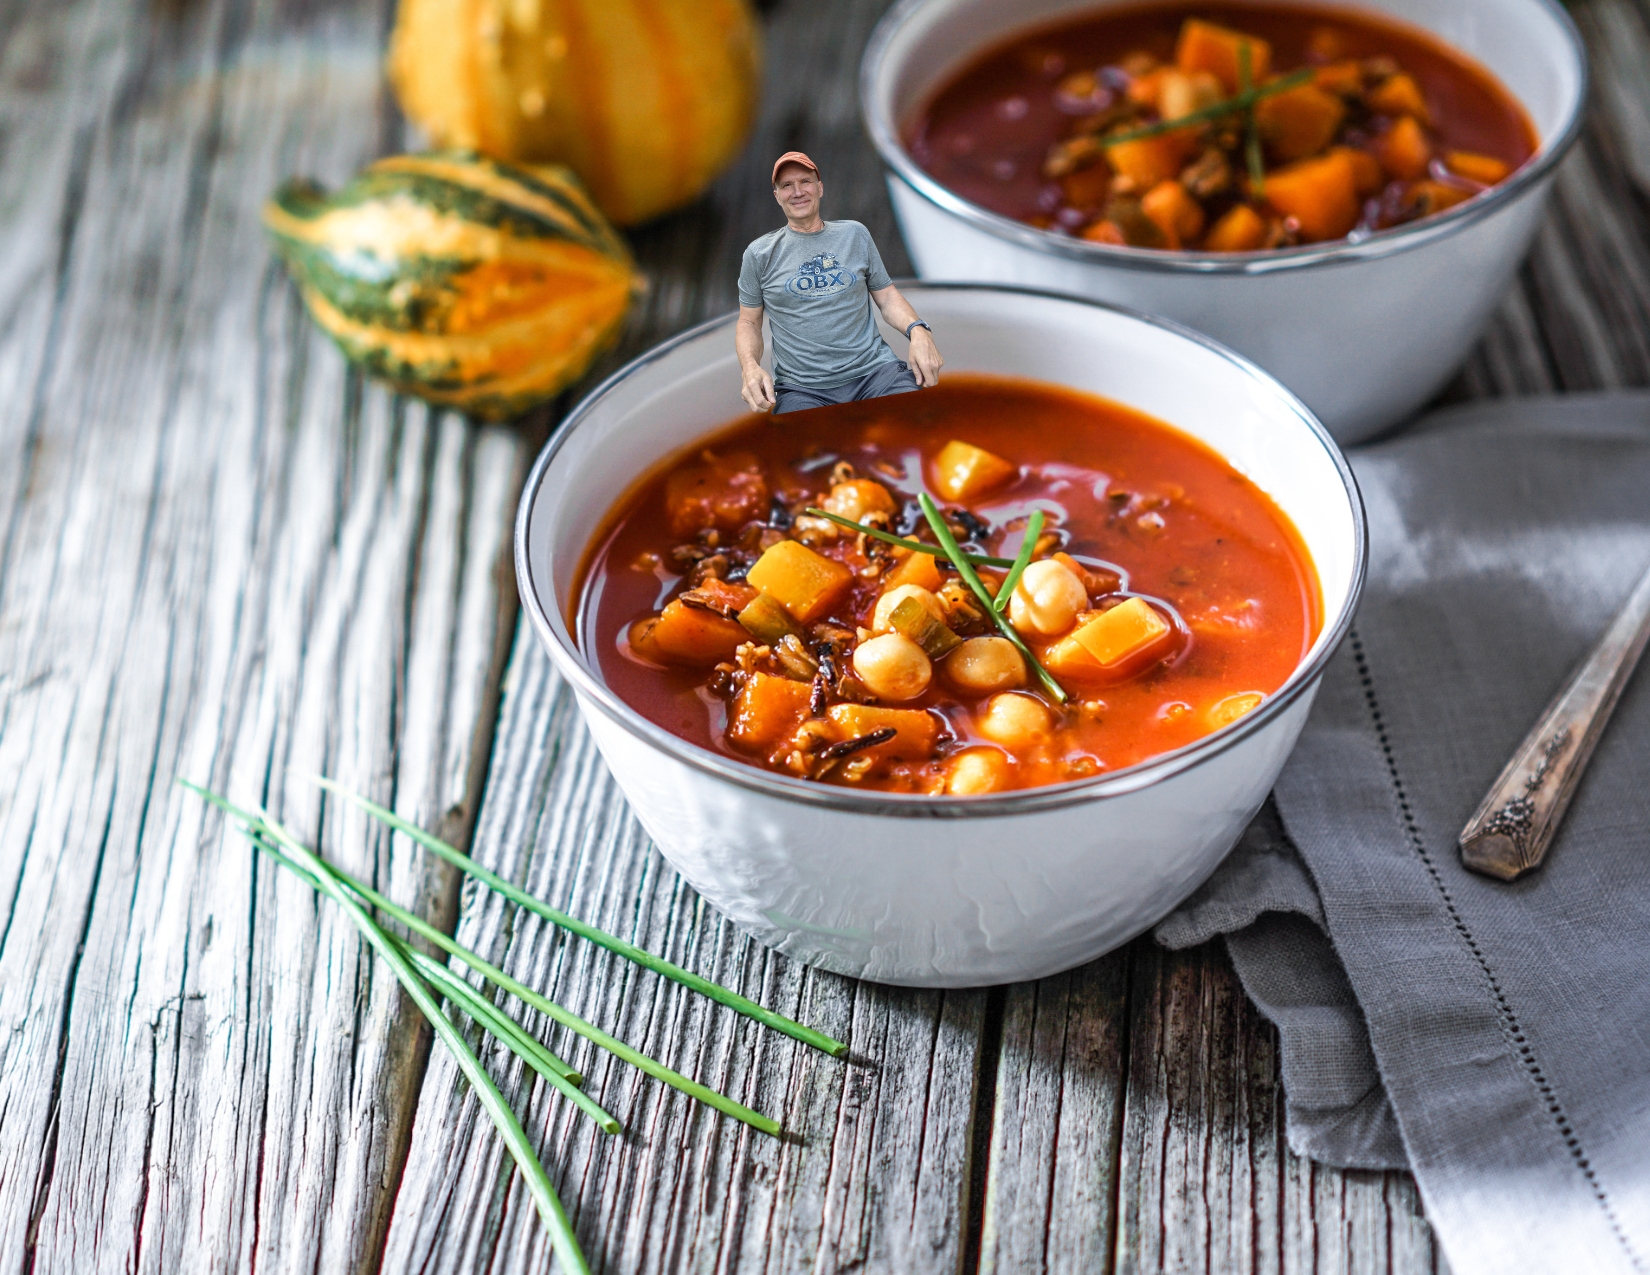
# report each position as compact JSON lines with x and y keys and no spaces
{"x":1149,"y":160}
{"x":805,"y":583}
{"x":1203,"y":46}
{"x":1399,"y":95}
{"x":1320,"y":194}
{"x":917,"y":729}
{"x":1239,"y":230}
{"x":766,"y":712}
{"x":1367,"y":174}
{"x":1069,"y":660}
{"x":1475,"y":167}
{"x":1300,"y":122}
{"x":1127,"y":630}
{"x":1177,"y":214}
{"x":1404,"y":150}
{"x":1344,"y":78}
{"x":920,"y":569}
{"x":963,"y":471}
{"x":692,"y":636}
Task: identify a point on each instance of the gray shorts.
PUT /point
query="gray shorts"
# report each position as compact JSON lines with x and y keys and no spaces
{"x":893,"y":377}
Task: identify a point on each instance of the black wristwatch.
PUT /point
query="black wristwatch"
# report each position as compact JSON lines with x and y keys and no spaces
{"x":916,"y":323}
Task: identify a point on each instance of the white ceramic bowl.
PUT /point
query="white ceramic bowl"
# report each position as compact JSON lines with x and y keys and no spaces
{"x":947,"y":891}
{"x":1365,"y":333}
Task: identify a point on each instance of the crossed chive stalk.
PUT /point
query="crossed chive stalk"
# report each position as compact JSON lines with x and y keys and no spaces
{"x":428,"y":981}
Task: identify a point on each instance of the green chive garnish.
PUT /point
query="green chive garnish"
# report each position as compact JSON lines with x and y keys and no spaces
{"x":1034,"y":532}
{"x":562,"y":1239}
{"x":1242,"y":102}
{"x":718,"y":993}
{"x":1251,"y":143}
{"x":915,"y":545}
{"x":942,"y":533}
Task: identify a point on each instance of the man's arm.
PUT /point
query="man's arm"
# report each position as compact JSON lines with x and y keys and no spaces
{"x":757,"y":386}
{"x":924,"y":357}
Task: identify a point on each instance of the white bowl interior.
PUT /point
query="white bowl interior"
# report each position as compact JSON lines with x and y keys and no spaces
{"x":1525,"y":43}
{"x":689,"y":389}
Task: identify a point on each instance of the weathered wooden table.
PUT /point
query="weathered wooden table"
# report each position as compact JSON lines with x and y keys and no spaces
{"x":223,"y":555}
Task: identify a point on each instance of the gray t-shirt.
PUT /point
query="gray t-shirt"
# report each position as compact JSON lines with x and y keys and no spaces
{"x":817,"y":292}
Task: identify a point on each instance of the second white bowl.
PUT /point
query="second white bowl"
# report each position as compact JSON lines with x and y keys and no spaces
{"x":1365,"y":333}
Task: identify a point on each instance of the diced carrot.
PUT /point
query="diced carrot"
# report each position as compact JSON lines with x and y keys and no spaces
{"x":1399,"y":95}
{"x":1122,"y":633}
{"x":1367,"y":175}
{"x":917,"y":729}
{"x":1428,"y":197}
{"x":767,"y":711}
{"x":1300,"y":122}
{"x":919,"y":569}
{"x":1345,"y":79}
{"x":805,"y":583}
{"x":721,"y":492}
{"x":1104,"y":231}
{"x":1149,"y":160}
{"x":1203,"y":46}
{"x":1320,"y":194}
{"x":963,"y":471}
{"x":1177,"y":214}
{"x":1475,"y":167}
{"x":1239,"y":230}
{"x":690,"y":635}
{"x":1404,"y":150}
{"x":1087,"y":187}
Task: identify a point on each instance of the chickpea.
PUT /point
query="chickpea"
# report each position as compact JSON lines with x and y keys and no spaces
{"x":881,"y":620}
{"x":975,"y":771}
{"x":1016,"y":721}
{"x":1047,"y":599}
{"x":857,"y":499}
{"x":985,"y":664}
{"x":892,"y":666}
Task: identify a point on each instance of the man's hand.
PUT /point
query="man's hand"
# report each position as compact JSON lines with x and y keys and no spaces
{"x":756,"y":386}
{"x":757,"y":390}
{"x":924,"y":358}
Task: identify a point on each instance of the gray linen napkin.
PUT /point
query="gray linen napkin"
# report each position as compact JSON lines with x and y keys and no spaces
{"x":1493,"y":1038}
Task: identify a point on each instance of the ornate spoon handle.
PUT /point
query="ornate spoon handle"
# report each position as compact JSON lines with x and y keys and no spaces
{"x":1510,"y":831}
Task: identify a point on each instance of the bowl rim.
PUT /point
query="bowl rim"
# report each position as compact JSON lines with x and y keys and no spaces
{"x":563,"y":650}
{"x":1382,"y":243}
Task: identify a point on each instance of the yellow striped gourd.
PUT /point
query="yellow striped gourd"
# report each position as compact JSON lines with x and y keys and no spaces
{"x":476,"y":284}
{"x":646,"y":100}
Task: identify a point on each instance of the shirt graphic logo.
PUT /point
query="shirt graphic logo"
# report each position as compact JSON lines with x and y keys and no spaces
{"x":823,"y":273}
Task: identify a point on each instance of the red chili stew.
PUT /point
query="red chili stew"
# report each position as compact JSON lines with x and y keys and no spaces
{"x":1165,"y":596}
{"x":1304,"y":125}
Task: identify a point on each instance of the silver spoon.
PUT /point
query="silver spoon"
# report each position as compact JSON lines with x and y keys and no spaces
{"x":1512,"y":828}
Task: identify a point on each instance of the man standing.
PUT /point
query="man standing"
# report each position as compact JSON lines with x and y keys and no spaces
{"x":815,"y":279}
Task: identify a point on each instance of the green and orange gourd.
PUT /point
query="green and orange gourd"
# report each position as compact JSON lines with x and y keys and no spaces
{"x":472,"y":283}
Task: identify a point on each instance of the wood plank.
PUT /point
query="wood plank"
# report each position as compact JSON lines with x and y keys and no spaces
{"x":223,"y":557}
{"x":877,"y":1177}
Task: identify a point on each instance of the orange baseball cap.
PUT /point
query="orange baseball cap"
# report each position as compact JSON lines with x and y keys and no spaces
{"x":793,"y":157}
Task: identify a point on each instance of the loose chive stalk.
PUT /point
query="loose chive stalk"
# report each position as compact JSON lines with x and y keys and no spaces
{"x":1034,"y":532}
{"x":566,"y":1017}
{"x":1251,"y":141}
{"x":473,"y":1003}
{"x":647,"y":960}
{"x":1214,"y":111}
{"x":915,"y":546}
{"x":942,"y":533}
{"x":562,"y":1239}
{"x":514,"y":1037}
